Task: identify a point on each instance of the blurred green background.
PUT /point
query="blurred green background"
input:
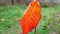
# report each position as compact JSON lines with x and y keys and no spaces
{"x":11,"y":14}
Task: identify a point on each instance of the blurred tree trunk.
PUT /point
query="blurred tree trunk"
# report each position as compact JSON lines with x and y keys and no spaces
{"x":18,"y":1}
{"x":26,"y":2}
{"x":12,"y":2}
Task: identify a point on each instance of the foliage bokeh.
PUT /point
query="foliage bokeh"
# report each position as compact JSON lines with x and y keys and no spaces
{"x":10,"y":16}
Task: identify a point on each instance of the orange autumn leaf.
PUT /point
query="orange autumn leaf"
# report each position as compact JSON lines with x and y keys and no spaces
{"x":31,"y":17}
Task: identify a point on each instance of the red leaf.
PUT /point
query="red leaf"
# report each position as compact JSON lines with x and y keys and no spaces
{"x":31,"y":17}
